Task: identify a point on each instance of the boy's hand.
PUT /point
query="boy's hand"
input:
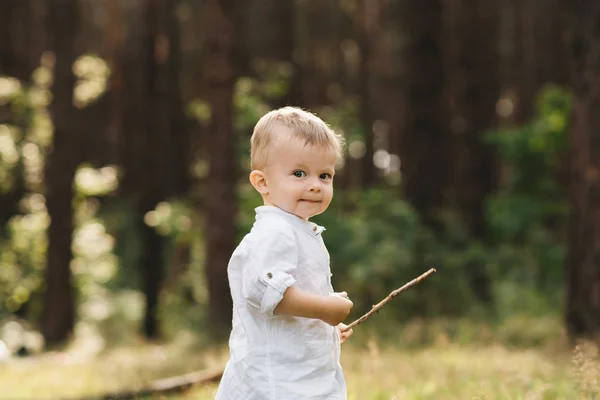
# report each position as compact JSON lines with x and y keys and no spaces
{"x":337,"y":307}
{"x":344,"y":335}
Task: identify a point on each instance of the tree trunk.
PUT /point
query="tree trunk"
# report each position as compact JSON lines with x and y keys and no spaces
{"x":372,"y":93}
{"x":134,"y":86}
{"x":526,"y":81}
{"x":151,"y":269}
{"x":267,"y":33}
{"x":218,"y":78}
{"x":538,"y":52}
{"x":424,"y":159}
{"x":58,"y":315}
{"x":22,"y":40}
{"x":166,"y":155}
{"x":583,"y":262}
{"x":473,"y":89}
{"x":6,"y":58}
{"x":148,"y":128}
{"x":552,"y":56}
{"x":114,"y":41}
{"x":22,"y":37}
{"x":318,"y":81}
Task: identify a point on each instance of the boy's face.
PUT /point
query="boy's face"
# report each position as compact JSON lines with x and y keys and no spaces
{"x":299,"y":178}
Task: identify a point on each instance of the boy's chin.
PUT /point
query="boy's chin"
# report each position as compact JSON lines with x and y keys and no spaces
{"x":309,"y":216}
{"x":305,"y":216}
{"x":302,"y":214}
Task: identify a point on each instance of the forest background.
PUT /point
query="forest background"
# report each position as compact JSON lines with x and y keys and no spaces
{"x":473,"y":146}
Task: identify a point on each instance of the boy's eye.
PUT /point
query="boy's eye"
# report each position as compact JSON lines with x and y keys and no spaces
{"x":299,"y":174}
{"x":325,"y":176}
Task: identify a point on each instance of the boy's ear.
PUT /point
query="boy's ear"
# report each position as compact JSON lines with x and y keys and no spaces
{"x":258,"y":179}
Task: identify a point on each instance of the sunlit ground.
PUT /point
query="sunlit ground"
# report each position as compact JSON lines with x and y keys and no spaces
{"x":374,"y":370}
{"x":451,"y":372}
{"x":71,"y":374}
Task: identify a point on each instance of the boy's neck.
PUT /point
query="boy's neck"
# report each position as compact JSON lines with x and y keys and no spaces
{"x":268,"y":204}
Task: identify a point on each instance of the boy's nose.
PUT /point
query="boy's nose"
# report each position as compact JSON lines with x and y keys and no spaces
{"x":315,"y":185}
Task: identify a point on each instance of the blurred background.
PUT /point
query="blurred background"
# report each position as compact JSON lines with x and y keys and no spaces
{"x":473,"y":146}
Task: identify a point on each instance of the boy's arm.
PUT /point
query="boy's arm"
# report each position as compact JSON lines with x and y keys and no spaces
{"x":332,"y":309}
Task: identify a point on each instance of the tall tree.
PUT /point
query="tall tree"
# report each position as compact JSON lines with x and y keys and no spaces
{"x":22,"y":40}
{"x":268,"y":33}
{"x":526,"y":83}
{"x":535,"y":49}
{"x":166,"y":137}
{"x":316,"y":53}
{"x":146,"y":84}
{"x":373,"y":48}
{"x":583,"y":262}
{"x":473,"y":88}
{"x":58,"y":315}
{"x":218,"y":74}
{"x":115,"y":40}
{"x":424,"y":157}
{"x":22,"y":37}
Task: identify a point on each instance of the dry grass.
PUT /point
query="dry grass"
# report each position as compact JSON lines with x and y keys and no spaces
{"x":452,"y":372}
{"x":73,"y":374}
{"x":373,"y":372}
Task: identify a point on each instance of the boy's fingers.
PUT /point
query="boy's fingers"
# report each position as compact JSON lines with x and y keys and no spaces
{"x":345,"y":335}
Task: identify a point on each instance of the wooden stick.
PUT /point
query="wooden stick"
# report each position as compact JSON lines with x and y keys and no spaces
{"x":388,"y":299}
{"x":165,"y":386}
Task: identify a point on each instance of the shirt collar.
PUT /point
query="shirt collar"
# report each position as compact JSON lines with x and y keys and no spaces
{"x":309,"y":227}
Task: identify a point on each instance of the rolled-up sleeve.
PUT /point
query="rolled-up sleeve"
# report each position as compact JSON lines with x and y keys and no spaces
{"x":270,"y":269}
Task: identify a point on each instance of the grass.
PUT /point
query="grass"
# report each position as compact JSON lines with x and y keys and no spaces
{"x":375,"y":369}
{"x":76,"y":373}
{"x":452,"y":372}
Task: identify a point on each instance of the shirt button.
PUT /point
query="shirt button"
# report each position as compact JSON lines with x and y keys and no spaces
{"x":314,"y":228}
{"x":269,"y":275}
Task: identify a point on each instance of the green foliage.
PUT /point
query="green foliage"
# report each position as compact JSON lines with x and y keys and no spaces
{"x":22,"y":257}
{"x":382,"y":245}
{"x":183,"y":300}
{"x":253,"y":97}
{"x":92,"y":76}
{"x":527,"y":217}
{"x":533,"y":156}
{"x":23,"y":147}
{"x":376,"y":240}
{"x":183,"y":303}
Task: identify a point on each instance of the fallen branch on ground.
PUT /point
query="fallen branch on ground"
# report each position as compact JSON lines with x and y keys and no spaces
{"x":181,"y":383}
{"x":388,"y":299}
{"x":175,"y":384}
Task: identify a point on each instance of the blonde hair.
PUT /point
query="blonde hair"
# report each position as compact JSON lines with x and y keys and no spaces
{"x":304,"y":126}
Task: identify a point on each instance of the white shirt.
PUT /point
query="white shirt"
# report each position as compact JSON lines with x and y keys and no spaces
{"x":280,"y":357}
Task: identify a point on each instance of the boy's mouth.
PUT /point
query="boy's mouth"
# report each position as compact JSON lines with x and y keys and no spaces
{"x":310,"y":201}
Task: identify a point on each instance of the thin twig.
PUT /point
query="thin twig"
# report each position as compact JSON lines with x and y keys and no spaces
{"x":388,"y":299}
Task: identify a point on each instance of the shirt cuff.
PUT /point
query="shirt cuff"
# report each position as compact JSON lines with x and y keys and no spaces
{"x":277,"y":284}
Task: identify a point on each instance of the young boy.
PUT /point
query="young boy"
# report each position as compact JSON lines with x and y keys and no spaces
{"x":285,"y":341}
